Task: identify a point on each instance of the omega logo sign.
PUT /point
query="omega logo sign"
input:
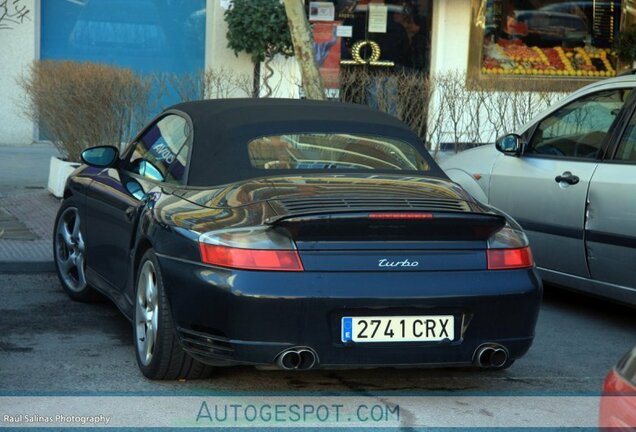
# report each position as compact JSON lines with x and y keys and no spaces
{"x":373,"y":60}
{"x":405,"y":263}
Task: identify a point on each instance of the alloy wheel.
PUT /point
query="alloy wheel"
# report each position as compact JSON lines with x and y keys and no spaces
{"x":147,"y":312}
{"x":70,"y":250}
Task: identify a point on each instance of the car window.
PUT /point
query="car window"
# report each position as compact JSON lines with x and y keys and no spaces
{"x":578,"y":129}
{"x":627,"y":146}
{"x":162,"y":151}
{"x":334,"y":151}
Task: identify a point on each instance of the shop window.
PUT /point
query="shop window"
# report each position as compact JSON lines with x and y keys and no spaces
{"x":147,"y":36}
{"x":386,"y":34}
{"x":544,"y":38}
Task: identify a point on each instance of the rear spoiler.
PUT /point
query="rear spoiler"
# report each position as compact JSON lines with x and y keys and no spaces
{"x":390,"y":225}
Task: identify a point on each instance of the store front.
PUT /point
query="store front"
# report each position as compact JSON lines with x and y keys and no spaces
{"x":149,"y":37}
{"x":378,"y":35}
{"x":537,"y":40}
{"x":562,"y":44}
{"x":394,"y":34}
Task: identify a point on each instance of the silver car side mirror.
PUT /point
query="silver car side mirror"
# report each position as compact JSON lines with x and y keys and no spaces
{"x":509,"y":144}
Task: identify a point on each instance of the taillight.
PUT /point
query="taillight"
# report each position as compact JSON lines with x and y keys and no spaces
{"x":250,"y":249}
{"x":615,"y":384}
{"x":502,"y":259}
{"x":617,"y":410}
{"x":508,"y":249}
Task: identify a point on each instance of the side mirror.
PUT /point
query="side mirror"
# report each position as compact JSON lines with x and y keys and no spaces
{"x":509,"y":144}
{"x":100,"y":156}
{"x":146,"y":169}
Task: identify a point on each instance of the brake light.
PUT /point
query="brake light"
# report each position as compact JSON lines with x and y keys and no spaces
{"x":508,"y":249}
{"x":617,"y":409}
{"x":250,"y":249}
{"x":503,"y":259}
{"x":615,"y":384}
{"x":400,"y":216}
{"x":251,"y":259}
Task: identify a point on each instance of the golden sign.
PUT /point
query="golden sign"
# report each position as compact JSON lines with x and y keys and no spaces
{"x":373,"y":60}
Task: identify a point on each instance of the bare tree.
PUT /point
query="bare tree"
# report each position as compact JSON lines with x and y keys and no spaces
{"x":84,"y":104}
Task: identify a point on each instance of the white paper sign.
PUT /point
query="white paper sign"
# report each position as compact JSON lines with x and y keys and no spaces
{"x":321,"y":11}
{"x":378,"y":15}
{"x":344,"y":31}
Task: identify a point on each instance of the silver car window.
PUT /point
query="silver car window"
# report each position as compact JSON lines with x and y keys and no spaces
{"x":627,"y":147}
{"x":578,"y":129}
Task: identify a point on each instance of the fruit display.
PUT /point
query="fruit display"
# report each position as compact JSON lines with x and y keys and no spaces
{"x":513,"y":57}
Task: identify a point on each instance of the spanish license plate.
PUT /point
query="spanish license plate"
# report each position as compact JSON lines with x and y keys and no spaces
{"x":427,"y":328}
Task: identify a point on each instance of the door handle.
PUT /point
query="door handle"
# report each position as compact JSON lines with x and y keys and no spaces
{"x":567,"y":177}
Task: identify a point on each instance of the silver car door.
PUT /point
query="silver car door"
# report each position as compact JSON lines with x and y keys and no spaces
{"x":611,"y":216}
{"x":545,"y":189}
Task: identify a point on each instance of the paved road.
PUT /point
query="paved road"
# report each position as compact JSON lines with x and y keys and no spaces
{"x":49,"y":343}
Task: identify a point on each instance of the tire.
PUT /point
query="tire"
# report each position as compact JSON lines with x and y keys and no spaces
{"x":69,"y":253}
{"x":162,"y":358}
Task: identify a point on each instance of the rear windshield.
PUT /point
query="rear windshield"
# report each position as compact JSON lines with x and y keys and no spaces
{"x":334,"y":151}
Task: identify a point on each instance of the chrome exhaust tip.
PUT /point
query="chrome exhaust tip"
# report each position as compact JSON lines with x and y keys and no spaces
{"x":307,"y":359}
{"x":491,"y":355}
{"x":289,"y":360}
{"x":299,"y":358}
{"x":483,"y":356}
{"x":498,"y":358}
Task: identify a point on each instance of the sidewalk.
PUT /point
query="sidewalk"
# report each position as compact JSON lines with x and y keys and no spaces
{"x":27,"y":210}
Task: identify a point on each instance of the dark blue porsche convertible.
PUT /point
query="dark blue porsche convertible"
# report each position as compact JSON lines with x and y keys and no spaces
{"x":297,"y":235}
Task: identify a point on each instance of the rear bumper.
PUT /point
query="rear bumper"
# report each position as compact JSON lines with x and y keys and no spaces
{"x":229,"y":317}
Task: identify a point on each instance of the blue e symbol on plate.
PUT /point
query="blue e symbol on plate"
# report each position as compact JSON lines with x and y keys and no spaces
{"x":347,"y":328}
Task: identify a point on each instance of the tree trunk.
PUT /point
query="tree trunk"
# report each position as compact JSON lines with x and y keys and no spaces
{"x":256,"y":83}
{"x":269,"y":72}
{"x":304,"y":50}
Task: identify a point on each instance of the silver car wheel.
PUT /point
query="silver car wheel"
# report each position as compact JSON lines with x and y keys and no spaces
{"x":69,"y":250}
{"x":147,"y":313}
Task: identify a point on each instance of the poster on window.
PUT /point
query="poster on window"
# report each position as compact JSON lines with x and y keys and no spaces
{"x":327,"y":46}
{"x":321,"y":11}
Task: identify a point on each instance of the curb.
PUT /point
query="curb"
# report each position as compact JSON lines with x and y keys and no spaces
{"x":27,"y":267}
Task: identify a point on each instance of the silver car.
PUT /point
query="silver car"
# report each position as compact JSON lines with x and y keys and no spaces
{"x":569,"y":178}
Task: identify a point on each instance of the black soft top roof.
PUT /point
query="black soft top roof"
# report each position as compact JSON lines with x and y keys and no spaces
{"x":223,"y":127}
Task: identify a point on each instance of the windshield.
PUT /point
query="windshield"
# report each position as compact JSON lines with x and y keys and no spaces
{"x":334,"y":151}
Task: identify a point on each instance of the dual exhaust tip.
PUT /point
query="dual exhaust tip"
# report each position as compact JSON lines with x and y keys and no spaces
{"x":298,"y":359}
{"x":491,"y":356}
{"x":486,"y":356}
